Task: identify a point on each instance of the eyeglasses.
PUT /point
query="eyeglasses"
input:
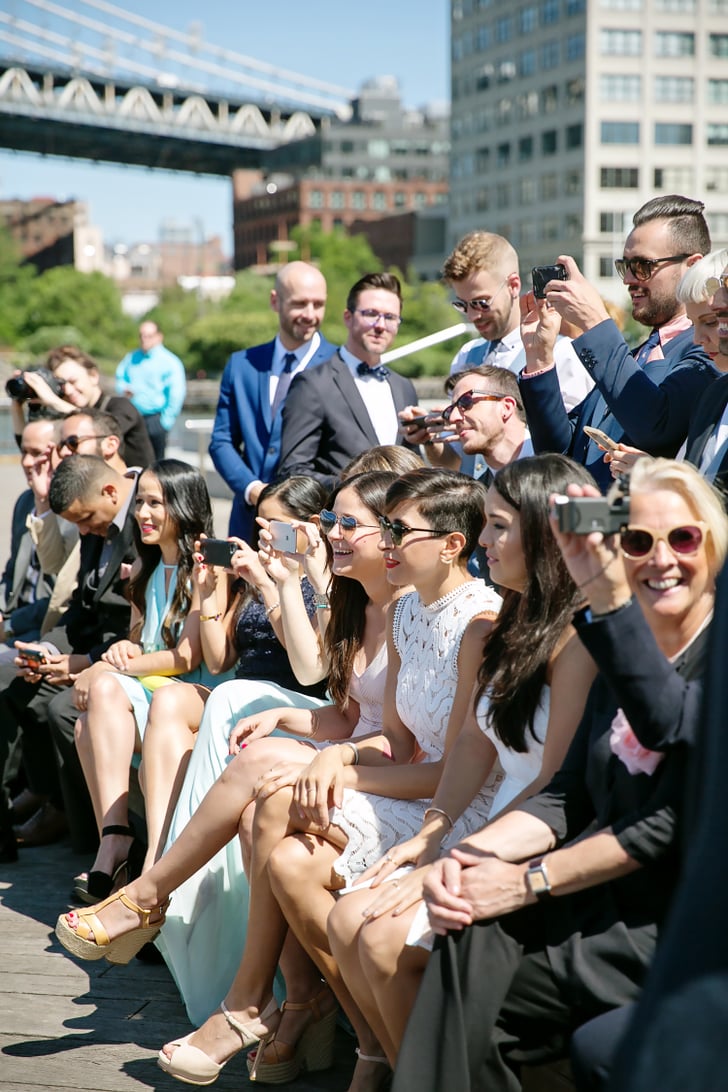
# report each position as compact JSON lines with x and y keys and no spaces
{"x":466,"y":402}
{"x":714,"y":284}
{"x":348,"y":524}
{"x":388,"y":318}
{"x":640,"y":542}
{"x":73,"y":442}
{"x":463,"y":306}
{"x":397,"y":530}
{"x":643,"y":268}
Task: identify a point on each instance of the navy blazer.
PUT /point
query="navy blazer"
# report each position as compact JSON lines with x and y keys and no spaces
{"x":708,"y":413}
{"x":648,"y":407}
{"x":325,"y":421}
{"x":246,"y":441}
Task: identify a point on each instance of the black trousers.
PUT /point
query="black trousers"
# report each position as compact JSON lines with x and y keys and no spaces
{"x":594,"y":1046}
{"x":157,"y":434}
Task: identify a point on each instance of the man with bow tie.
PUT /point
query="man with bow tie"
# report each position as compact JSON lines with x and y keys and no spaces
{"x":349,"y":403}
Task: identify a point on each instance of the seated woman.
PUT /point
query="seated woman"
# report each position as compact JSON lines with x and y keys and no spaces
{"x":443,"y":526}
{"x":172,"y":510}
{"x":549,"y":916}
{"x":532,"y":687}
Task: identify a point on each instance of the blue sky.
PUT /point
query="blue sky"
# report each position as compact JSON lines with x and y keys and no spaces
{"x":341,"y":43}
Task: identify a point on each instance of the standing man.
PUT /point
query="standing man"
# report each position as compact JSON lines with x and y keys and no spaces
{"x":154,"y":379}
{"x":350,"y":403}
{"x":643,"y":398}
{"x":246,"y":438}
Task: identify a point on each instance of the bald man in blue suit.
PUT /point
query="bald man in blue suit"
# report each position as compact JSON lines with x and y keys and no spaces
{"x":246,"y":437}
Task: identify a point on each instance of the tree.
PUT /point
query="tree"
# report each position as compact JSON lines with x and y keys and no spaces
{"x":90,"y":302}
{"x":15,"y":280}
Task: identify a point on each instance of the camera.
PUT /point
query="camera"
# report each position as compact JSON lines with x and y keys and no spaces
{"x":542,"y":274}
{"x":582,"y":515}
{"x":17,"y":389}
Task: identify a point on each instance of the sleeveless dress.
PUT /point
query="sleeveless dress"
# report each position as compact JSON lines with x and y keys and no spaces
{"x":204,"y":934}
{"x":427,"y":639}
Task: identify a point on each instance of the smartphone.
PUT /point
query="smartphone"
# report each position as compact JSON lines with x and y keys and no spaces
{"x":218,"y":551}
{"x":33,"y":655}
{"x":601,"y":438}
{"x":542,"y":274}
{"x":285,"y":538}
{"x":429,"y":420}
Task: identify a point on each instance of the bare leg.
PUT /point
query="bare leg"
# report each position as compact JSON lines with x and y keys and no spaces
{"x":174,"y":714}
{"x":106,"y":740}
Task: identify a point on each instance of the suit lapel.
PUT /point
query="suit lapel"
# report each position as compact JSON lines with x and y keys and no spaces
{"x":260,"y":359}
{"x":344,"y":380}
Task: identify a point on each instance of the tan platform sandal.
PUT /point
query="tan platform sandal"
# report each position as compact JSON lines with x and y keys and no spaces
{"x":82,"y":933}
{"x":190,"y":1064}
{"x":279,"y":1062}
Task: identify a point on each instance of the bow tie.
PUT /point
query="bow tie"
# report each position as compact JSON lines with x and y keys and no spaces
{"x":378,"y":372}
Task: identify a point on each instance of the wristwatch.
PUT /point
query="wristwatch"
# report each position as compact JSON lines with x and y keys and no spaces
{"x":537,"y":878}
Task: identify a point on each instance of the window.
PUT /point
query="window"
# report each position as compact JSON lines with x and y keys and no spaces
{"x":674,"y":179}
{"x":400,"y":199}
{"x":503,"y":154}
{"x":505,"y":111}
{"x":549,"y":187}
{"x":482,"y":160}
{"x":718,"y":92}
{"x":502,"y":195}
{"x":673,"y":133}
{"x":336,"y":199}
{"x":483,"y":37}
{"x":504,"y":28}
{"x":525,"y":148}
{"x":527,"y":62}
{"x":616,"y":87}
{"x":483,"y":77}
{"x":718,"y":224}
{"x":574,"y":135}
{"x":482,"y":199}
{"x":528,"y":19}
{"x":573,"y":183}
{"x":606,"y":267}
{"x":549,"y":99}
{"x":612,"y":223}
{"x":527,"y":190}
{"x":379,"y":200}
{"x":550,"y":12}
{"x":572,"y":225}
{"x":716,"y":179}
{"x":550,"y":227}
{"x":674,"y":88}
{"x":718,"y":7}
{"x":680,"y":7}
{"x":617,"y":178}
{"x":549,"y":142}
{"x":358,"y":199}
{"x":622,"y":5}
{"x":575,"y":47}
{"x":550,"y":54}
{"x":620,"y":43}
{"x":620,"y":132}
{"x":718,"y":45}
{"x":575,"y":91}
{"x":717,"y":134}
{"x":673,"y":43}
{"x":315,"y":199}
{"x":378,"y":149}
{"x":575,"y":7}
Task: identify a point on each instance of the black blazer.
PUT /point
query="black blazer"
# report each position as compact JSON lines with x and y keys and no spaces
{"x":325,"y":421}
{"x":25,"y":618}
{"x":708,"y":413}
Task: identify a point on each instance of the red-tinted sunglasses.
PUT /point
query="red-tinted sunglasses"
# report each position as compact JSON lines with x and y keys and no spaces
{"x":686,"y":540}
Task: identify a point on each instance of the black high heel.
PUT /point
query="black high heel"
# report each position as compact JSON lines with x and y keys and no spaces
{"x":99,"y":885}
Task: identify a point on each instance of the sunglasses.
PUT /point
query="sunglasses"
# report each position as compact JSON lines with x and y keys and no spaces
{"x":397,"y":530}
{"x":640,"y":542}
{"x":643,"y":268}
{"x":466,"y":402}
{"x":463,"y":306}
{"x":348,"y":524}
{"x":74,"y":442}
{"x":714,"y":284}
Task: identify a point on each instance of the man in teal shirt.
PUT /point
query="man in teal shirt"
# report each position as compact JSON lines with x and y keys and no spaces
{"x":154,"y":379}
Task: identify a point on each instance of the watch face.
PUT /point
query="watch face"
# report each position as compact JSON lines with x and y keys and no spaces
{"x":538,"y":880}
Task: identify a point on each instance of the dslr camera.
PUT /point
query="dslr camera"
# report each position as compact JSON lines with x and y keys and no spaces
{"x":582,"y":515}
{"x":17,"y":389}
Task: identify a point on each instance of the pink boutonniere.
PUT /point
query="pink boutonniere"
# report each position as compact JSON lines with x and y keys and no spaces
{"x":628,"y":749}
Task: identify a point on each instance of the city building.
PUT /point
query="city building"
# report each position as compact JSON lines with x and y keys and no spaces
{"x":567,"y":115}
{"x":50,"y":232}
{"x":385,"y":160}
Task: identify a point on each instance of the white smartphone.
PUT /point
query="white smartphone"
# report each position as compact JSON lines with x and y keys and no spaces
{"x":284,"y":537}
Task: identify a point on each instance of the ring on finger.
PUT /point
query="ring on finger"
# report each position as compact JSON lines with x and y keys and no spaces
{"x":389,"y":858}
{"x":395,"y":883}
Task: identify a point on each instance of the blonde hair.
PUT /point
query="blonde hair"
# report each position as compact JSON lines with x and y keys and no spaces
{"x":698,"y":493}
{"x":477,"y":251}
{"x":691,"y":288}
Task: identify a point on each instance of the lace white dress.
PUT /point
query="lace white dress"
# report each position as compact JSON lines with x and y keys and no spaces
{"x":427,"y":639}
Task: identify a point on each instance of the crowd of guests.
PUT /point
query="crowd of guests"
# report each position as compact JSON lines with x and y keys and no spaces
{"x":415,"y":741}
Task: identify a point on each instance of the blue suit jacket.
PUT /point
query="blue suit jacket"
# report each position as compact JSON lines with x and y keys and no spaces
{"x":647,"y":407}
{"x":246,"y":441}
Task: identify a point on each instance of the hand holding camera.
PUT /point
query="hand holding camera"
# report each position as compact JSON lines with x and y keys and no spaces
{"x":586,"y":527}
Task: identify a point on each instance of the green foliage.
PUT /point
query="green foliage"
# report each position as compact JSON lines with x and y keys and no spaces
{"x":213,"y":338}
{"x":45,"y":338}
{"x":90,"y":302}
{"x":15,"y":282}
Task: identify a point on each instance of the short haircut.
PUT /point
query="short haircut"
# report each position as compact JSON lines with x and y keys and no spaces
{"x":77,"y":478}
{"x":392,"y":457}
{"x":62,"y":353}
{"x":387,"y":281}
{"x":105,"y":424}
{"x":691,"y":288}
{"x":480,"y":250}
{"x":51,"y":417}
{"x":449,"y":500}
{"x":500,"y":380}
{"x":688,"y":229}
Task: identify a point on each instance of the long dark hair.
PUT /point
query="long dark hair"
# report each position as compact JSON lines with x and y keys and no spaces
{"x":348,"y":599}
{"x":530,"y":623}
{"x":187,"y":502}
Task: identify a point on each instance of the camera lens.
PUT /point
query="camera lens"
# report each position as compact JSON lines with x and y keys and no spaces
{"x":17,"y":389}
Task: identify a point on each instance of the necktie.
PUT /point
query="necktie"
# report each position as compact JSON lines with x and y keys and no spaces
{"x":378,"y":372}
{"x":493,"y":349}
{"x":642,"y":353}
{"x":284,"y":382}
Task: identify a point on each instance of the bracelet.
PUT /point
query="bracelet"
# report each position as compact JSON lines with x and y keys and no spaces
{"x":355,"y":749}
{"x":321,"y":601}
{"x":211,"y":617}
{"x":438,"y":811}
{"x":269,"y":610}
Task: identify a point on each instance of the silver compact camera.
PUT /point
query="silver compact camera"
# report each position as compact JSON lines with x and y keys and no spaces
{"x":582,"y":515}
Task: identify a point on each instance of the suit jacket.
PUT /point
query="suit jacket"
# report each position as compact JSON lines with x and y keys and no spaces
{"x":647,"y":407}
{"x":325,"y":421}
{"x":246,"y":440}
{"x":708,"y":413}
{"x":25,"y":618}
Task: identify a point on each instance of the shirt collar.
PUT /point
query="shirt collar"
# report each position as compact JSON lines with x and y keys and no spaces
{"x":674,"y":327}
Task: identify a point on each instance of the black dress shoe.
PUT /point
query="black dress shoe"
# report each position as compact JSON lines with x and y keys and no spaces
{"x":8,"y":847}
{"x":25,"y":805}
{"x":48,"y":825}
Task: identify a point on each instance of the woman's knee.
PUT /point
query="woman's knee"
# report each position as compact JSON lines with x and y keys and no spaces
{"x":289,"y":864}
{"x":106,"y":689}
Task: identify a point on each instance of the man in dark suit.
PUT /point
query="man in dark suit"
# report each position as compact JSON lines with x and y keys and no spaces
{"x":350,"y":403}
{"x":246,"y":437}
{"x":644,"y":398}
{"x":87,"y":492}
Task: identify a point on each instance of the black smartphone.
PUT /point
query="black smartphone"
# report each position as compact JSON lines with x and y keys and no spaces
{"x":542,"y":274}
{"x":428,"y":420}
{"x":218,"y":551}
{"x":33,"y":655}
